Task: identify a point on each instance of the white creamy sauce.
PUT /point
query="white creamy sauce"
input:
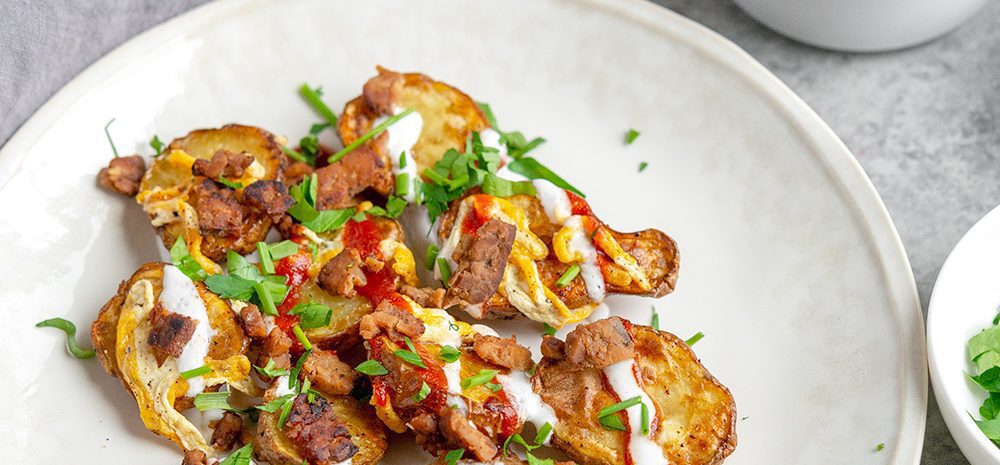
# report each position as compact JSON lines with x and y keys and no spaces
{"x":490,"y":138}
{"x":554,"y":200}
{"x":203,"y":420}
{"x":485,"y":330}
{"x":442,"y":334}
{"x":643,"y":450}
{"x":589,"y":269}
{"x":530,"y":407}
{"x":400,"y":139}
{"x":180,"y":296}
{"x":453,"y":373}
{"x":281,"y":388}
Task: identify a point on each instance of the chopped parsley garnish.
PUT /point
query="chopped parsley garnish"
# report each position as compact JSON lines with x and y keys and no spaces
{"x":368,"y":135}
{"x":305,"y":211}
{"x":642,"y":166}
{"x":70,"y":329}
{"x":371,"y":368}
{"x":410,"y":356}
{"x":313,"y":97}
{"x":270,"y":371}
{"x":694,"y":339}
{"x":275,"y":404}
{"x":301,"y":336}
{"x":431,"y":256}
{"x":533,"y":169}
{"x":266,"y":262}
{"x":655,"y":323}
{"x":631,"y":136}
{"x":196,"y":372}
{"x":500,"y":187}
{"x":294,"y":155}
{"x":879,"y":447}
{"x":543,"y":433}
{"x":394,"y":207}
{"x":312,"y":315}
{"x":445,"y":270}
{"x":453,"y":456}
{"x":540,"y":438}
{"x":517,"y":144}
{"x":156,"y":144}
{"x":293,"y":376}
{"x":422,"y":394}
{"x":213,"y":401}
{"x":449,"y":354}
{"x":241,"y":456}
{"x":569,"y":275}
{"x":230,"y":184}
{"x":548,"y":330}
{"x":484,"y":376}
{"x":108,"y":135}
{"x":184,"y":262}
{"x":244,"y":282}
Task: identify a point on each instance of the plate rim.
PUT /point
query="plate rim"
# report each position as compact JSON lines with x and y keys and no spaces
{"x":837,"y":160}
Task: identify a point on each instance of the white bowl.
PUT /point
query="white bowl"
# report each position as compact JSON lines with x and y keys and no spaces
{"x":964,"y":302}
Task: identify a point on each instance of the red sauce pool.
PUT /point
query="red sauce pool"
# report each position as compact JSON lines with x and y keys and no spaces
{"x":578,"y":205}
{"x":479,"y":214}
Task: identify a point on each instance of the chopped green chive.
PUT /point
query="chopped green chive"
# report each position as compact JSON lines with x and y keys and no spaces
{"x":212,"y":401}
{"x":156,"y":144}
{"x":879,"y":447}
{"x":184,"y":262}
{"x":642,"y":166}
{"x":196,"y":372}
{"x":611,"y":422}
{"x":266,"y":262}
{"x":275,"y":404}
{"x":241,"y":456}
{"x":108,"y":135}
{"x":294,"y":155}
{"x":631,"y":136}
{"x":312,"y":315}
{"x":402,"y":184}
{"x":283,"y":249}
{"x":495,"y":387}
{"x":543,"y":433}
{"x":422,"y":394}
{"x":644,"y":411}
{"x":630,"y":402}
{"x":484,"y":376}
{"x":301,"y":336}
{"x":410,"y":356}
{"x":371,"y":368}
{"x":266,"y":300}
{"x":402,"y":159}
{"x":445,"y":270}
{"x":694,"y":339}
{"x":548,"y":330}
{"x":431,"y":256}
{"x":569,"y":275}
{"x":656,"y":319}
{"x":230,"y":184}
{"x":532,"y":169}
{"x":312,"y":96}
{"x":368,"y":135}
{"x":436,"y":177}
{"x":270,"y":371}
{"x":449,"y":354}
{"x":286,"y":409}
{"x":453,"y":456}
{"x":70,"y":329}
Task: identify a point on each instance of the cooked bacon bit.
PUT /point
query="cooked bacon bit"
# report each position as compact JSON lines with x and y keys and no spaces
{"x":169,"y":332}
{"x":328,"y":373}
{"x":277,"y":343}
{"x":459,"y":431}
{"x":382,"y":91}
{"x":599,"y":344}
{"x":343,"y":273}
{"x":315,"y":430}
{"x":424,"y":423}
{"x":183,"y":403}
{"x":296,"y":172}
{"x":223,"y":164}
{"x":481,"y":261}
{"x":227,"y":431}
{"x":425,"y":296}
{"x":270,"y":197}
{"x":360,"y":169}
{"x":123,"y":175}
{"x":395,"y":322}
{"x":374,"y":264}
{"x":553,"y":348}
{"x":503,"y":352}
{"x":194,"y":457}
{"x":253,"y":322}
{"x":219,"y":214}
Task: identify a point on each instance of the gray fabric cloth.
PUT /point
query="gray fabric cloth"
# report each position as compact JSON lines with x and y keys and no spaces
{"x":45,"y":43}
{"x":921,"y":121}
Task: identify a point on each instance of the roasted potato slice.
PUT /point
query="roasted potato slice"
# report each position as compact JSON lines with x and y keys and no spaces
{"x":449,"y":115}
{"x":166,"y":189}
{"x":367,"y":434}
{"x":695,"y":416}
{"x":121,"y":337}
{"x":640,"y":263}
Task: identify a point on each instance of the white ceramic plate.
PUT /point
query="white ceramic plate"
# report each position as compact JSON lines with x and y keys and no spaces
{"x":791,"y":266}
{"x":966,"y":298}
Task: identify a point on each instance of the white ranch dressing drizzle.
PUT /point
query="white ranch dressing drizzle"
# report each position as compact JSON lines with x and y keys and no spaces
{"x":554,"y":200}
{"x":530,"y":407}
{"x":442,"y":334}
{"x":180,"y":296}
{"x":589,"y":269}
{"x":281,"y":388}
{"x":400,"y":139}
{"x":621,"y":377}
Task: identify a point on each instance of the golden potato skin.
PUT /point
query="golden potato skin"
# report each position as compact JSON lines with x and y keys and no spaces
{"x":450,"y":116}
{"x":368,"y":433}
{"x":203,"y":143}
{"x":695,"y":414}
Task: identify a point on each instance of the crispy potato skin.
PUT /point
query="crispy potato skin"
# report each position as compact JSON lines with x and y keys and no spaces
{"x":655,"y":252}
{"x":367,"y":432}
{"x":695,"y":420}
{"x":229,"y":338}
{"x":450,"y":116}
{"x":203,"y":143}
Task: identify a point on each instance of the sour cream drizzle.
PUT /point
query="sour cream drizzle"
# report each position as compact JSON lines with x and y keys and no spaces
{"x":622,"y":378}
{"x":530,"y":407}
{"x":400,"y":139}
{"x":180,"y":296}
{"x":442,"y":334}
{"x":589,"y":269}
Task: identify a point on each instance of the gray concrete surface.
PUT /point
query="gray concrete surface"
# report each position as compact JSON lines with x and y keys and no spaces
{"x":921,"y":121}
